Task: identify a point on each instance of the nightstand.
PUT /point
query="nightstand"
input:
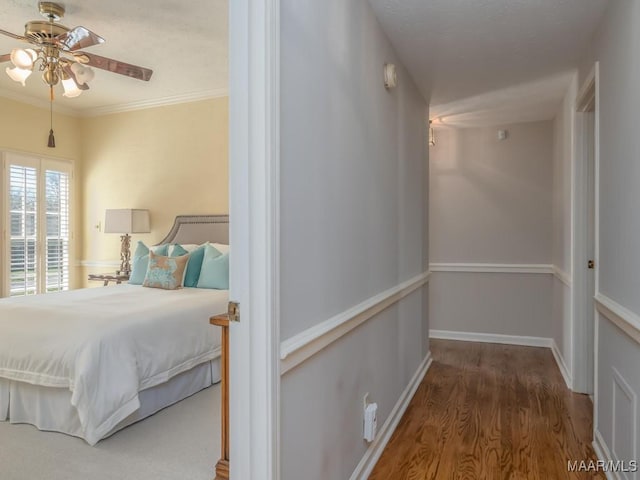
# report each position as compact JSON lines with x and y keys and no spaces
{"x":109,"y":277}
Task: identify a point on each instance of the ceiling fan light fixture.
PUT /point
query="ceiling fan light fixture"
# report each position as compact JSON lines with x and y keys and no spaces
{"x":23,"y":57}
{"x":18,"y":74}
{"x":71,"y":90}
{"x":83,"y":74}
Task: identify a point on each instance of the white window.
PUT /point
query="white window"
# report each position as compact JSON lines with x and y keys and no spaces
{"x":37,"y":225}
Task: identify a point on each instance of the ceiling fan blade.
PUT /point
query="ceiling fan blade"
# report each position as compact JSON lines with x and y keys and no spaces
{"x":78,"y":38}
{"x":114,"y":66}
{"x":5,"y":58}
{"x":68,"y":71}
{"x":13,"y":35}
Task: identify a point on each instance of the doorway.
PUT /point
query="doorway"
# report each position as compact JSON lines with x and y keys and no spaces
{"x":585,"y":256}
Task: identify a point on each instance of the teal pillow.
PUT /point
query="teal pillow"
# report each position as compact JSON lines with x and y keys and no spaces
{"x":215,"y":270}
{"x":178,"y":251}
{"x":140,"y":262}
{"x":195,"y":263}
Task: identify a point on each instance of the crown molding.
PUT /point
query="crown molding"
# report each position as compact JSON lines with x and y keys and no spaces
{"x":37,"y":102}
{"x":158,"y":102}
{"x":117,"y":108}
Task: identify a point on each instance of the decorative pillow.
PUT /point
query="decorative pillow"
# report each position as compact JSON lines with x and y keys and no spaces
{"x":140,"y":261}
{"x":165,"y":272}
{"x":187,"y":247}
{"x":215,"y":270}
{"x":195,"y":263}
{"x":221,"y":247}
{"x":177,"y":251}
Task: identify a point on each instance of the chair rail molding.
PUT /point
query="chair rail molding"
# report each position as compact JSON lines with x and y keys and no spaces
{"x":561,"y":275}
{"x":620,"y":316}
{"x":300,"y":347}
{"x":98,"y":263}
{"x":492,"y":267}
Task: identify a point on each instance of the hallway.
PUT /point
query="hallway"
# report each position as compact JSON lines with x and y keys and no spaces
{"x":490,"y":411}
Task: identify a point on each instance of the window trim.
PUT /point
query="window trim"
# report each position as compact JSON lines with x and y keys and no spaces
{"x":42,"y":164}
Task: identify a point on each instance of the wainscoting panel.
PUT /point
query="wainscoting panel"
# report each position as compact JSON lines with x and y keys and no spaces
{"x":624,"y":440}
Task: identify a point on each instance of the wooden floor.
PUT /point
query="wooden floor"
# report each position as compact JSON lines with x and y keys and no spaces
{"x":488,"y":411}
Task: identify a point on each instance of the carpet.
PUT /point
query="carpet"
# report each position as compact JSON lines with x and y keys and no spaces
{"x":181,"y":442}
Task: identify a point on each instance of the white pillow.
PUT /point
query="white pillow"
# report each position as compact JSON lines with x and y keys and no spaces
{"x":221,"y":247}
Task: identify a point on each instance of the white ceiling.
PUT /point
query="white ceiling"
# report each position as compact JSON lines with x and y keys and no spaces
{"x":463,"y":54}
{"x":185,"y":43}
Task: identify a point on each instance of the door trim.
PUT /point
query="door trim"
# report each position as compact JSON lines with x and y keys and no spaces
{"x":587,"y":99}
{"x":254,"y":172}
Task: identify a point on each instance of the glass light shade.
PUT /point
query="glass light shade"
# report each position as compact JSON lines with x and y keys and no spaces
{"x":18,"y":74}
{"x":71,"y":90}
{"x":83,"y":74}
{"x":23,"y":57}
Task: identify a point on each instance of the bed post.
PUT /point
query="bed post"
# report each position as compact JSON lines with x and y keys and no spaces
{"x":222,"y":467}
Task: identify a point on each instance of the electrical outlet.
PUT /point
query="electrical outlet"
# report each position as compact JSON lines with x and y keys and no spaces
{"x":370,"y":421}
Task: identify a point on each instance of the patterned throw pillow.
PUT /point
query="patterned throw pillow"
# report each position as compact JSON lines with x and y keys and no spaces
{"x":140,"y":263}
{"x":165,"y":272}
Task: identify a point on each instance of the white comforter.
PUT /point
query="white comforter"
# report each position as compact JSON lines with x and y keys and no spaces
{"x":106,"y":344}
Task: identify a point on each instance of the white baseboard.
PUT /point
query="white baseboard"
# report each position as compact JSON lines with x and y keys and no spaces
{"x":373,"y":453}
{"x":561,"y":365}
{"x":603,"y":453}
{"x":509,"y":340}
{"x":491,"y":338}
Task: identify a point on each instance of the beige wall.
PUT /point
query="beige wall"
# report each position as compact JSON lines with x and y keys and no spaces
{"x":171,"y":160}
{"x":25,"y":129}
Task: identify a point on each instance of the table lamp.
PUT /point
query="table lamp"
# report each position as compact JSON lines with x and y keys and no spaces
{"x":126,"y":221}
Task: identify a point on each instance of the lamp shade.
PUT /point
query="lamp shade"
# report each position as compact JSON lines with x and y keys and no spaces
{"x":126,"y":220}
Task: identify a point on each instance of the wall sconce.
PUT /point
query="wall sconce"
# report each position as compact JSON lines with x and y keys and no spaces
{"x":390,"y":77}
{"x":432,"y":135}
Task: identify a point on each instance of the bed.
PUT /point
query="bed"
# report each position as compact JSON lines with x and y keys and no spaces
{"x":89,"y":362}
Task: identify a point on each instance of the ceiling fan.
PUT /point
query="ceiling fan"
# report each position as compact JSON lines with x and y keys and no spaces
{"x":57,"y":51}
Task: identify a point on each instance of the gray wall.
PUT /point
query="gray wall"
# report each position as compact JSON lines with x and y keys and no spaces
{"x":615,"y":47}
{"x":354,"y":179}
{"x":490,"y":200}
{"x":490,"y":203}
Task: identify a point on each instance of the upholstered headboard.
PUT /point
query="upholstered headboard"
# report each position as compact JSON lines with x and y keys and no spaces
{"x":199,"y":229}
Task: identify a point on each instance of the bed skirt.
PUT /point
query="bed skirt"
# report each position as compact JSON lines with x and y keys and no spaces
{"x":50,"y":408}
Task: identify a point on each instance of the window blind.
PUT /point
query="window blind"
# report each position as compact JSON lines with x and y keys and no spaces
{"x":23,"y":206}
{"x":39,"y":226}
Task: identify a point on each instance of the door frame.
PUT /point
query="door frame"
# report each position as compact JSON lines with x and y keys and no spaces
{"x":584,"y":377}
{"x":254,"y":160}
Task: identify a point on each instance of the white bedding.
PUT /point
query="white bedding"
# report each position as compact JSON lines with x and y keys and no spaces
{"x":106,"y":344}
